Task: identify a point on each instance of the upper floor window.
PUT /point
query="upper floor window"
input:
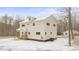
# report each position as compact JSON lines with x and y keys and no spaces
{"x":29,"y":18}
{"x":48,"y":24}
{"x":33,"y":24}
{"x":23,"y":25}
{"x":54,"y":25}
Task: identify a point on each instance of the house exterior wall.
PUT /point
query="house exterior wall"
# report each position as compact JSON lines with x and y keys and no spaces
{"x":23,"y":31}
{"x":51,"y":29}
{"x":37,"y":28}
{"x":46,"y":32}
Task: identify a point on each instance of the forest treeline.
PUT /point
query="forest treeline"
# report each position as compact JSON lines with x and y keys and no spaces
{"x":63,"y":25}
{"x":8,"y":25}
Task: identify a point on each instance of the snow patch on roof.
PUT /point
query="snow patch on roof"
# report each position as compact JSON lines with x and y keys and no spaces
{"x":39,"y":18}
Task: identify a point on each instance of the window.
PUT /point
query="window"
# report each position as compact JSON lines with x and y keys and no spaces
{"x":37,"y":33}
{"x":25,"y":32}
{"x":65,"y":33}
{"x":33,"y":24}
{"x":23,"y":25}
{"x":29,"y":33}
{"x":54,"y":25}
{"x":50,"y":32}
{"x":48,"y":24}
{"x":45,"y":33}
{"x":22,"y":32}
{"x":29,"y":18}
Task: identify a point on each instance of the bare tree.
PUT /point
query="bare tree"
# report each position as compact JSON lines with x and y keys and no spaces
{"x":66,"y":12}
{"x":70,"y":28}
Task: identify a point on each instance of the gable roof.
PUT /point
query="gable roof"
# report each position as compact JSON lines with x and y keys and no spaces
{"x":40,"y":18}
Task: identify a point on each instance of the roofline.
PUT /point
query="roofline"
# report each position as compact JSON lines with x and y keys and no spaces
{"x":39,"y":19}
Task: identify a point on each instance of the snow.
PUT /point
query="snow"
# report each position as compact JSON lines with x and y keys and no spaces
{"x":40,"y":18}
{"x":11,"y":44}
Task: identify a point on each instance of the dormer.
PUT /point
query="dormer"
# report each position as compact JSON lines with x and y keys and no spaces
{"x":30,"y":18}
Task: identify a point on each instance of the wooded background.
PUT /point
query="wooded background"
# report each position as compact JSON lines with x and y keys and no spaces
{"x":8,"y":25}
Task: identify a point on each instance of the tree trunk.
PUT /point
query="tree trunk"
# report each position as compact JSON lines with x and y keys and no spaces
{"x":69,"y":25}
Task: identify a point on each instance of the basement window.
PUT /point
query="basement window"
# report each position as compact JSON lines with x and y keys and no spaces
{"x":37,"y":33}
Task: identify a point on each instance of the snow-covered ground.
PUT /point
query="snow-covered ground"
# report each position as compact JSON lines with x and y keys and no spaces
{"x":10,"y":44}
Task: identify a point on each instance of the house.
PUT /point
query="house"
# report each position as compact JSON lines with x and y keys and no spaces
{"x":66,"y":33}
{"x":38,"y":28}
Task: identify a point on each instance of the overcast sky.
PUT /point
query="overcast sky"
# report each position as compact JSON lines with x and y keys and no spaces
{"x":31,"y":11}
{"x":34,"y":11}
